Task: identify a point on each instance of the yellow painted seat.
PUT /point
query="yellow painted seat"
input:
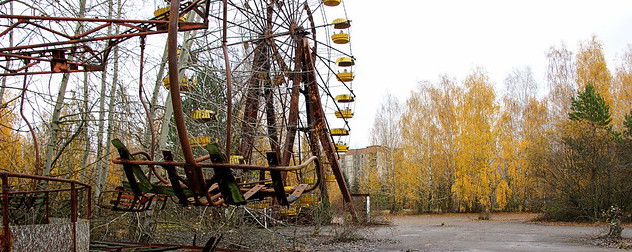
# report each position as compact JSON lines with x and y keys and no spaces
{"x":345,"y":113}
{"x":345,"y":76}
{"x":204,"y":115}
{"x":341,"y":23}
{"x":341,"y":38}
{"x":339,"y":132}
{"x":332,"y":2}
{"x":345,"y":61}
{"x":344,"y":98}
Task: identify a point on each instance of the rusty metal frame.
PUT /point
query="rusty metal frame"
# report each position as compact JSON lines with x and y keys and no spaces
{"x":74,"y":188}
{"x":73,"y":53}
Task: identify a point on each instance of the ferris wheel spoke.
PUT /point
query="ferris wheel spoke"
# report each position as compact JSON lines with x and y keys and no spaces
{"x":285,"y":10}
{"x":280,"y":59}
{"x":249,"y":12}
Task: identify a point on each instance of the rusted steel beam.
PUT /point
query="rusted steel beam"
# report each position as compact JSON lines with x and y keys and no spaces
{"x":73,"y":217}
{"x":100,"y":20}
{"x":320,"y":128}
{"x":193,"y":172}
{"x":312,"y":139}
{"x":18,"y":175}
{"x":249,"y":120}
{"x":268,"y":94}
{"x":229,"y":80}
{"x":292,"y":119}
{"x":44,"y":191}
{"x":78,"y":41}
{"x":277,"y":180}
{"x":136,"y":28}
{"x":6,"y":235}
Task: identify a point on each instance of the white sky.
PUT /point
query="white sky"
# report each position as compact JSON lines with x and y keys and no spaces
{"x":399,"y":43}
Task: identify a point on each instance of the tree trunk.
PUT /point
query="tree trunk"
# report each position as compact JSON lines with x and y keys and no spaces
{"x":55,"y":124}
{"x":4,"y":80}
{"x":86,"y":135}
{"x":103,"y":161}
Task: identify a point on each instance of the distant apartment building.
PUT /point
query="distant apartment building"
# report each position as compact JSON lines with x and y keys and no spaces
{"x":357,"y":164}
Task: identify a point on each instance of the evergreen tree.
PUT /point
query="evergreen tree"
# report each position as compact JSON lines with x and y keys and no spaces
{"x":591,"y":106}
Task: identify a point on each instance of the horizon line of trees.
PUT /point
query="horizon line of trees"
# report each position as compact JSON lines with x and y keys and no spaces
{"x":460,"y":147}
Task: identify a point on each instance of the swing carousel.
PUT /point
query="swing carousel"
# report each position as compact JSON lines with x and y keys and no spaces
{"x":263,"y":121}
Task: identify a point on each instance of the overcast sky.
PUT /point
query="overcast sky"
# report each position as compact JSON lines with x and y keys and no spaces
{"x":399,"y":43}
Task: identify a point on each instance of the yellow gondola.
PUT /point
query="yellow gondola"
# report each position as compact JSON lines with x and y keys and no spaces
{"x":345,"y":61}
{"x":339,"y":132}
{"x":342,"y":148}
{"x":204,"y":115}
{"x":341,"y":38}
{"x":330,"y":178}
{"x":345,"y":113}
{"x":345,"y":76}
{"x":341,"y":23}
{"x":344,"y":98}
{"x":185,"y":84}
{"x":332,"y":2}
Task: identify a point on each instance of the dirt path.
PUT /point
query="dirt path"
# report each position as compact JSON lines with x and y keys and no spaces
{"x":462,"y":232}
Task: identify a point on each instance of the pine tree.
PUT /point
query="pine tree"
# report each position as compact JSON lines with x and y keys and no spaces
{"x":591,"y":106}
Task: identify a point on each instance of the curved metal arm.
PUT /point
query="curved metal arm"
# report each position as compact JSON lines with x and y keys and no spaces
{"x":152,"y":168}
{"x":211,"y":165}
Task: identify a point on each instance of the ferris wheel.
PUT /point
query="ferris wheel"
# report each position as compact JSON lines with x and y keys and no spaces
{"x":267,"y":43}
{"x":291,"y":70}
{"x":288,"y":68}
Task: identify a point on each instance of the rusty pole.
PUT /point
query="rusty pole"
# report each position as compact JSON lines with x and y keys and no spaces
{"x":320,"y":128}
{"x":193,"y":171}
{"x":292,"y":121}
{"x":229,"y":85}
{"x":73,"y":199}
{"x":6,"y":242}
{"x":89,"y":203}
